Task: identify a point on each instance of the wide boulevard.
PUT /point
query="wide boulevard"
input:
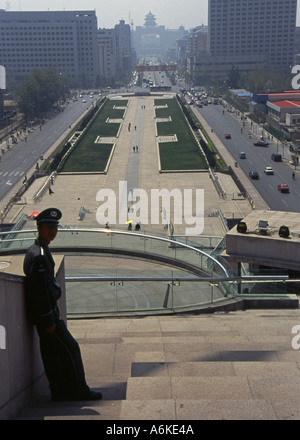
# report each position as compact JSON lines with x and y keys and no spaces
{"x":257,"y":158}
{"x":21,"y":157}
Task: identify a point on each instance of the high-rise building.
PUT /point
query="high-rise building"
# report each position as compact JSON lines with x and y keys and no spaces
{"x":123,"y":40}
{"x":107,"y":48}
{"x":64,"y":40}
{"x":260,"y":30}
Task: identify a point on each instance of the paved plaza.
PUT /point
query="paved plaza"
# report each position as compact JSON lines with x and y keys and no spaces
{"x":140,"y":170}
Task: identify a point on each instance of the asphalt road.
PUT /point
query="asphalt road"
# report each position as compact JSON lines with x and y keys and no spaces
{"x":257,"y":158}
{"x":16,"y":162}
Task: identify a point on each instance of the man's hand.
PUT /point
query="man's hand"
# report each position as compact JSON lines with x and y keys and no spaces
{"x":51,"y":329}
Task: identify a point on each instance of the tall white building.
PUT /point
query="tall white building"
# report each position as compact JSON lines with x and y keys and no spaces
{"x":262,"y":31}
{"x":64,"y":40}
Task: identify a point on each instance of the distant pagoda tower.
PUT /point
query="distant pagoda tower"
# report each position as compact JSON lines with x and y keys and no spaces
{"x":150,"y":20}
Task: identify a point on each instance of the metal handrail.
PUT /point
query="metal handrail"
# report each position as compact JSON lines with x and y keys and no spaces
{"x":244,"y":279}
{"x":131,"y":233}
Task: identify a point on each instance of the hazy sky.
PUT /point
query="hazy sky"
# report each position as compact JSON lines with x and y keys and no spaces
{"x":171,"y":13}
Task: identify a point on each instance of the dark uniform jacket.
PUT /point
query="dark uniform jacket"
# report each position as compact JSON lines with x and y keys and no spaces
{"x":41,"y":288}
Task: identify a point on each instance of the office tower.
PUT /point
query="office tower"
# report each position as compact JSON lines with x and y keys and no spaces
{"x":64,"y":40}
{"x":107,"y":55}
{"x":261,"y":30}
{"x":123,"y":40}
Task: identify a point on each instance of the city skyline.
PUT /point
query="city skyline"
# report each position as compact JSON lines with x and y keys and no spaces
{"x":187,"y":14}
{"x":109,"y":13}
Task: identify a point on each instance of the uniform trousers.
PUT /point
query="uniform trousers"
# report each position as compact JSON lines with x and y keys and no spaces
{"x":63,"y":364}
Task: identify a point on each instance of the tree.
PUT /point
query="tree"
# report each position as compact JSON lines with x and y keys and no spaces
{"x":261,"y":80}
{"x":40,"y":91}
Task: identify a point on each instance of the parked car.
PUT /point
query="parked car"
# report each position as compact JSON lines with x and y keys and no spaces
{"x":253,"y":175}
{"x":227,"y":136}
{"x":269,"y":170}
{"x":242,"y":155}
{"x":283,"y":187}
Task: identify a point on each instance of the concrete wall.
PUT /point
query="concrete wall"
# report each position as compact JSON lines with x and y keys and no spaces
{"x":21,"y":368}
{"x":271,"y":251}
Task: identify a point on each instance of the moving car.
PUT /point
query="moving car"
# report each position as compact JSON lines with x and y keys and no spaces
{"x":261,"y":143}
{"x":242,"y":155}
{"x":253,"y":175}
{"x":227,"y":136}
{"x":269,"y":170}
{"x":283,"y":187}
{"x":276,"y":157}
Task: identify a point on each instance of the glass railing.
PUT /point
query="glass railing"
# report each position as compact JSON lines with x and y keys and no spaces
{"x":184,"y":278}
{"x":122,"y":243}
{"x":162,"y":293}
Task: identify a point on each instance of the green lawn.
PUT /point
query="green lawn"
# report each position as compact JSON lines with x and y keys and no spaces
{"x":88,"y":156}
{"x":184,"y":154}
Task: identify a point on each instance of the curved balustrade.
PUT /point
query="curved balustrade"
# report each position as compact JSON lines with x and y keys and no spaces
{"x":120,"y":242}
{"x":186,"y":276}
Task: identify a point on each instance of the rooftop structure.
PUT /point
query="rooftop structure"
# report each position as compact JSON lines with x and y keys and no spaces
{"x":154,"y":40}
{"x":150,"y":20}
{"x":263,"y":245}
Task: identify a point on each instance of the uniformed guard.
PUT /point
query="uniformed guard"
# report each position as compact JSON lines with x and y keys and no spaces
{"x":59,"y":350}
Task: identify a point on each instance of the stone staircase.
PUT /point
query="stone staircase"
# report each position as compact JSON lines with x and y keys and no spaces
{"x":237,"y":365}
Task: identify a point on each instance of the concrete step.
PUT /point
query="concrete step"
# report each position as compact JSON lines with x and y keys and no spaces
{"x":103,"y":410}
{"x":213,"y":369}
{"x":234,"y":366}
{"x":222,"y":409}
{"x":213,"y":387}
